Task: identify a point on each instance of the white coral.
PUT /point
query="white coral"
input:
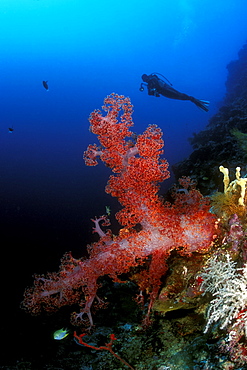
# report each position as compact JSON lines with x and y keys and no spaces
{"x":228,"y":286}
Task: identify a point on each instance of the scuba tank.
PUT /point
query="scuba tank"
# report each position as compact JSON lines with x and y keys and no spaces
{"x":156,"y":73}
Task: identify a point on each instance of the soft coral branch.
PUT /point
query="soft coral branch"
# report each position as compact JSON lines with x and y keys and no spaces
{"x":106,"y":347}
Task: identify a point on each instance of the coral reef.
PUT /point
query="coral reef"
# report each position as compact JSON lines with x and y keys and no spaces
{"x":221,"y":149}
{"x":184,"y":259}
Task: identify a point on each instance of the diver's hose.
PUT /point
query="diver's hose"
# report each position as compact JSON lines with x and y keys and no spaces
{"x":156,"y":73}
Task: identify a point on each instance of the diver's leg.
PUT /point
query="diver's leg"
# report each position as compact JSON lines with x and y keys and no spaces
{"x":202,"y":104}
{"x":170,"y":92}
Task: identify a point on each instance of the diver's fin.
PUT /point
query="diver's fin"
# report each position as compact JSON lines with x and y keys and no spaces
{"x":202,"y":104}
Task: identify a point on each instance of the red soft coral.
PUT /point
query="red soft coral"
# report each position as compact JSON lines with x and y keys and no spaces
{"x":186,"y":225}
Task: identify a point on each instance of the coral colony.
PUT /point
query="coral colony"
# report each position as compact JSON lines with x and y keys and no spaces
{"x":186,"y":225}
{"x":228,"y":286}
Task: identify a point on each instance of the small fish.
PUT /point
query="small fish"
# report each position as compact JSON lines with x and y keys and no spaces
{"x":45,"y":84}
{"x":60,"y":334}
{"x":108,"y":210}
{"x":11,"y":130}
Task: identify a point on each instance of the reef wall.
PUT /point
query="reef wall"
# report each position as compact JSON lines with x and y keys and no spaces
{"x":224,"y":141}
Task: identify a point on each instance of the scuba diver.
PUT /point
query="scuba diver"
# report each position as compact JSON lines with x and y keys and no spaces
{"x":156,"y":87}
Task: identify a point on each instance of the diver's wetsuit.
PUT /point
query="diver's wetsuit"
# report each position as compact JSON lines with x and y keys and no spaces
{"x":157,"y":87}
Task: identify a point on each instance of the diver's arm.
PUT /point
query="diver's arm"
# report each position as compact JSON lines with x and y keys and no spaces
{"x":153,"y":88}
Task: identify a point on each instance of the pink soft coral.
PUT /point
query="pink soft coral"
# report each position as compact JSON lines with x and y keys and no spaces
{"x":186,"y":225}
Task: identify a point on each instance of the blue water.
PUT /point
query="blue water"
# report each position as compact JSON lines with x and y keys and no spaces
{"x":87,"y":50}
